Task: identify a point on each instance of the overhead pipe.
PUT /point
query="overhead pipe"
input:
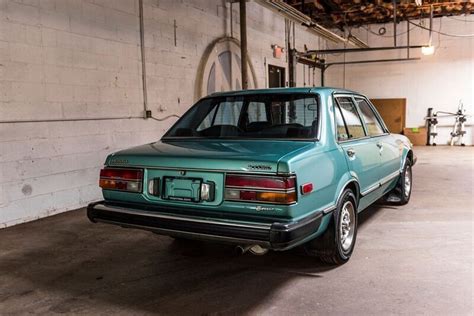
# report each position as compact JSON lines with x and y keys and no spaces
{"x":431,"y":25}
{"x":357,"y":50}
{"x":370,"y":61}
{"x":324,"y":66}
{"x":243,"y":43}
{"x":395,"y":23}
{"x":408,"y":39}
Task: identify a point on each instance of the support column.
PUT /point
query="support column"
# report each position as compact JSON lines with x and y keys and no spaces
{"x":243,"y":44}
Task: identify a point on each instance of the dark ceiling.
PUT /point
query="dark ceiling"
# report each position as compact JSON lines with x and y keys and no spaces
{"x":337,"y":13}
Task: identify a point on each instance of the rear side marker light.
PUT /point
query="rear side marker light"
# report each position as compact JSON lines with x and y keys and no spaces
{"x":275,"y":190}
{"x":306,"y":188}
{"x":129,"y":180}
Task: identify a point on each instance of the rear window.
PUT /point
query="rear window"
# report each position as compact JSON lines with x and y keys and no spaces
{"x":293,"y":116}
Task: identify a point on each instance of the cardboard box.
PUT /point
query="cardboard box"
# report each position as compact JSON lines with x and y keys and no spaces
{"x":417,"y":135}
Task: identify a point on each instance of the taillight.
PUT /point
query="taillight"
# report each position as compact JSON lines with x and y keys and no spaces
{"x":129,"y":180}
{"x":265,"y":189}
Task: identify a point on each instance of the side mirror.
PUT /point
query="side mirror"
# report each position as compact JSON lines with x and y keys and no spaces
{"x":312,"y":107}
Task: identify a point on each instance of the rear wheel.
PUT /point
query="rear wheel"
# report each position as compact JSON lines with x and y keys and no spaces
{"x":336,"y":244}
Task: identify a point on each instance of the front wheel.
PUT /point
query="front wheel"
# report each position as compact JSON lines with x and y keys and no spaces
{"x":336,"y":244}
{"x":400,"y":195}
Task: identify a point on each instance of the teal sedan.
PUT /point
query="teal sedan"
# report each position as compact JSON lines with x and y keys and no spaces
{"x":265,"y":170}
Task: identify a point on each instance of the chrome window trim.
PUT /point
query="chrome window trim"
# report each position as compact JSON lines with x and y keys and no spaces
{"x":309,"y":93}
{"x":353,"y":139}
{"x":377,"y":118}
{"x":377,"y":114}
{"x":336,"y":95}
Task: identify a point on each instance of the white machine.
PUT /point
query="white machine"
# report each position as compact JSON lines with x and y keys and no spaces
{"x":460,"y":118}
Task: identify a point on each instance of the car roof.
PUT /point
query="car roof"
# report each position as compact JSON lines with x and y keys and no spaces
{"x":323,"y":90}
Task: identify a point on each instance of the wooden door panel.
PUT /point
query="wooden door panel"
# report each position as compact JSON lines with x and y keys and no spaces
{"x":393,"y":112}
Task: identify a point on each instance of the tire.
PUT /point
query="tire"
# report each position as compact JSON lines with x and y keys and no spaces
{"x":331,"y":247}
{"x":400,"y":195}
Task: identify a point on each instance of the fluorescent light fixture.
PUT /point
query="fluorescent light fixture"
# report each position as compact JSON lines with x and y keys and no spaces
{"x":427,"y":50}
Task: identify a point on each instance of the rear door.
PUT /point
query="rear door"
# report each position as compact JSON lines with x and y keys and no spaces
{"x":361,"y":151}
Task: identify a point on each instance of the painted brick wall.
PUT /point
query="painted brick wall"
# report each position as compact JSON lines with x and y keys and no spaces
{"x":81,"y":59}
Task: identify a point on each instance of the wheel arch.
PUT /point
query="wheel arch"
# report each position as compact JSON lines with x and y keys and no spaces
{"x":351,"y":184}
{"x":409,"y":155}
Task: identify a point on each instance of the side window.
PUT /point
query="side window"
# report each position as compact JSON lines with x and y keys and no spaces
{"x":371,"y":122}
{"x":257,"y":112}
{"x":300,"y":111}
{"x":351,"y":117}
{"x":224,"y":113}
{"x":341,"y":127}
{"x":228,"y":113}
{"x":304,"y":112}
{"x":207,"y":122}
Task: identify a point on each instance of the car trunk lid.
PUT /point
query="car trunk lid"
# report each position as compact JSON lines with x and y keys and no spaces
{"x":176,"y":170}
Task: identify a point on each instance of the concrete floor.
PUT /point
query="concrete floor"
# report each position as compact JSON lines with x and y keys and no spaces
{"x":416,"y":259}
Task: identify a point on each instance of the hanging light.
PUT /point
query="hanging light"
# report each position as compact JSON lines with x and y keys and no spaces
{"x":427,"y":50}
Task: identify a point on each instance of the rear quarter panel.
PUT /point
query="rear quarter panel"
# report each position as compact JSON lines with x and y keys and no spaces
{"x":324,"y":170}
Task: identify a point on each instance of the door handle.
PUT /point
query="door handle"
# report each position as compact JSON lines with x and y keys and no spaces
{"x":351,"y":152}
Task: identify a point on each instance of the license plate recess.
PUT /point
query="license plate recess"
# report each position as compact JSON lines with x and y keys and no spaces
{"x":182,"y":189}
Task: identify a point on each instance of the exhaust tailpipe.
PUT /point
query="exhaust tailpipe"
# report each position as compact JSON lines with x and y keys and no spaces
{"x":258,"y":250}
{"x":253,"y":249}
{"x":240,"y":250}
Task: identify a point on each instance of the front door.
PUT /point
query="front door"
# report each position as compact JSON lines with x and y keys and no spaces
{"x":361,"y":151}
{"x":389,"y":150}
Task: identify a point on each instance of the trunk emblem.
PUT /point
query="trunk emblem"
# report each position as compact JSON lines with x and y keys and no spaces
{"x":259,"y":167}
{"x":118,"y":161}
{"x":182,"y":172}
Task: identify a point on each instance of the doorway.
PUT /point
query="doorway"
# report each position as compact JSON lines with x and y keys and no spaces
{"x":276,"y":76}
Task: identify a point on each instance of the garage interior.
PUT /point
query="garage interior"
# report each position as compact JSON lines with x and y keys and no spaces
{"x":80,"y":79}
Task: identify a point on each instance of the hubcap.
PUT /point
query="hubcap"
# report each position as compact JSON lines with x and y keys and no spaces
{"x":347,"y":225}
{"x":407,"y":184}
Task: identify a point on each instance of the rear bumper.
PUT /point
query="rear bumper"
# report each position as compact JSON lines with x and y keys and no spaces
{"x":277,"y":235}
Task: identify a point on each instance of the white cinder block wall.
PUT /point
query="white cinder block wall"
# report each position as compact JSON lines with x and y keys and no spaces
{"x":439,"y":81}
{"x":81,"y":59}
